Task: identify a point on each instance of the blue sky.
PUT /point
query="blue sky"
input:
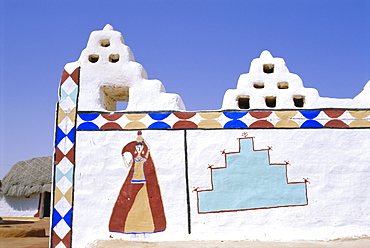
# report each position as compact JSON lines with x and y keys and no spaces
{"x":197,"y":49}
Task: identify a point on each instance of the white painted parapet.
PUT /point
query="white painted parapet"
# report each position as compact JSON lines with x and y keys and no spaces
{"x":270,"y":85}
{"x":109,"y":74}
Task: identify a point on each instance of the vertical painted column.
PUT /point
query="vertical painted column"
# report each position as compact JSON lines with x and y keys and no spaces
{"x":64,"y":159}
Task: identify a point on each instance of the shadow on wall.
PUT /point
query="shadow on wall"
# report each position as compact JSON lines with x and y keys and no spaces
{"x":11,"y":206}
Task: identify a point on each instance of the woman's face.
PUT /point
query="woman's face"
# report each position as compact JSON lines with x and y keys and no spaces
{"x":139,"y":147}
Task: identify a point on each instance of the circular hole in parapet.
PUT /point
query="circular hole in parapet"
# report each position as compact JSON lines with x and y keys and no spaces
{"x":268,"y":68}
{"x":259,"y":85}
{"x":283,"y":85}
{"x":105,"y":43}
{"x":93,"y":58}
{"x":114,"y":58}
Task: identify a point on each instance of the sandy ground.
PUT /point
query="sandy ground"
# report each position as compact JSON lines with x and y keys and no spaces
{"x":43,"y":242}
{"x":359,"y":243}
{"x":16,"y":226}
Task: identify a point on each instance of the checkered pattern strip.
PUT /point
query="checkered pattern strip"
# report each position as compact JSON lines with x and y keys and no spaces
{"x":64,"y":159}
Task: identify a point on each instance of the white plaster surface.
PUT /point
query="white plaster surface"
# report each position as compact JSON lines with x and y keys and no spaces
{"x":124,"y":78}
{"x":100,"y":173}
{"x":284,"y":97}
{"x":11,"y":206}
{"x":337,"y":170}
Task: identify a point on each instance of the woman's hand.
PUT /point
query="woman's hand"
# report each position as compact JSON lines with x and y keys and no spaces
{"x":127,"y":159}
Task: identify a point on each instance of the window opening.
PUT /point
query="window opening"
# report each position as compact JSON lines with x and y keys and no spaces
{"x":243,"y":102}
{"x":114,"y":58}
{"x":93,"y":58}
{"x":270,"y":101}
{"x":268,"y":68}
{"x":115,"y":98}
{"x":259,"y":85}
{"x":283,"y":85}
{"x":105,"y":43}
{"x":299,"y":101}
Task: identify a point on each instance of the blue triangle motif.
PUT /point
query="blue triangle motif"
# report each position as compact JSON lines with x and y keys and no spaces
{"x":59,"y":135}
{"x":68,"y":218}
{"x":56,"y":218}
{"x":58,"y":174}
{"x":311,"y":123}
{"x":73,"y":95}
{"x":69,"y":175}
{"x":235,"y":115}
{"x":235,"y":124}
{"x":63,"y":95}
{"x":88,"y":126}
{"x":310,"y":114}
{"x":71,"y":135}
{"x":159,"y":125}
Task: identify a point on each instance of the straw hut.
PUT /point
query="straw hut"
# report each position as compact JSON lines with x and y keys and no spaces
{"x":26,"y":188}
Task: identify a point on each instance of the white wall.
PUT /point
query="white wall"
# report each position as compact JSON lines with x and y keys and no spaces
{"x":11,"y":206}
{"x":334,"y":161}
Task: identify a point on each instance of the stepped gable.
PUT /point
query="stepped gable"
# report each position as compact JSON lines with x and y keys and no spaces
{"x":109,"y":74}
{"x":270,"y":85}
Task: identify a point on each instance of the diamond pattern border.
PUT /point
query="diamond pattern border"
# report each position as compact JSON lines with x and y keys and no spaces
{"x":65,"y":133}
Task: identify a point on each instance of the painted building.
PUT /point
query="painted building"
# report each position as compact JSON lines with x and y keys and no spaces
{"x":277,"y":162}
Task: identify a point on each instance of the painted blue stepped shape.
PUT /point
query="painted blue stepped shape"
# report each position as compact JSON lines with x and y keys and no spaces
{"x":250,"y":182}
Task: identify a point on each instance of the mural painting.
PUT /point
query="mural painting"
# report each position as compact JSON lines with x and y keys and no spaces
{"x":250,"y":181}
{"x":139,"y":207}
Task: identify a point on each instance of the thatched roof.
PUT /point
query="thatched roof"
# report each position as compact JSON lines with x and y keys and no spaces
{"x":28,"y":177}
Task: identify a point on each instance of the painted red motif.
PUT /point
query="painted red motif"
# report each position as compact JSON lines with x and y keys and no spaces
{"x":184,"y":124}
{"x":261,"y":124}
{"x":184,"y":116}
{"x":66,"y":240}
{"x":74,"y":76}
{"x":111,"y":125}
{"x":334,"y":113}
{"x":336,"y":123}
{"x":111,"y":117}
{"x":139,"y":207}
{"x":260,"y":114}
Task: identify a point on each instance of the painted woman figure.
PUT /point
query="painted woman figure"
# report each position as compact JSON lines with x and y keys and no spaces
{"x":139,"y":207}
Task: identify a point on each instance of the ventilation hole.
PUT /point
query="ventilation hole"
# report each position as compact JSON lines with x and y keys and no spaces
{"x":105,"y":43}
{"x":93,"y":58}
{"x":298,"y":101}
{"x":270,"y":101}
{"x":113,"y":58}
{"x":243,"y":102}
{"x":283,"y":85}
{"x":268,"y":68}
{"x":259,"y":85}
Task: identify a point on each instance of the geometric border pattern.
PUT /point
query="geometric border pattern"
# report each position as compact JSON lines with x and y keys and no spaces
{"x":323,"y":118}
{"x":64,"y":157}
